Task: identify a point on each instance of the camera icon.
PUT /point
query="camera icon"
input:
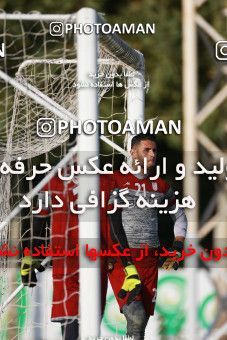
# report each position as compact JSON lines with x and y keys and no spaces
{"x":46,"y":127}
{"x":221,"y":50}
{"x":56,"y":29}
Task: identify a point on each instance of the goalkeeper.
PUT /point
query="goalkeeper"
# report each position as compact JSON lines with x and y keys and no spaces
{"x":135,"y":282}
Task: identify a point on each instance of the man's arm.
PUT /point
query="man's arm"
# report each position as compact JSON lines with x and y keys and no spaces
{"x":180,"y":230}
{"x":118,"y":235}
{"x":132,"y":283}
{"x":117,"y":232}
{"x":180,"y":225}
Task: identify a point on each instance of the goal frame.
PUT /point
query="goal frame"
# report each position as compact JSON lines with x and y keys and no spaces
{"x":87,"y":60}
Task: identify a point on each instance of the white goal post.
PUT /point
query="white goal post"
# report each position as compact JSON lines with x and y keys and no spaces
{"x":87,"y":44}
{"x":86,"y":100}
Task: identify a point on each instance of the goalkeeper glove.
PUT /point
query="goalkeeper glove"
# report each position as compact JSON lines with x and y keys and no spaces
{"x":28,"y":275}
{"x":169,"y":262}
{"x":131,"y":284}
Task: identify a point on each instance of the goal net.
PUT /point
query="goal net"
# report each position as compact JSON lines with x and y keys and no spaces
{"x":40,"y":82}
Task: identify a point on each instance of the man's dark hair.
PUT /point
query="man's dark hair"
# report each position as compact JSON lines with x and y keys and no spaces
{"x":142,"y":136}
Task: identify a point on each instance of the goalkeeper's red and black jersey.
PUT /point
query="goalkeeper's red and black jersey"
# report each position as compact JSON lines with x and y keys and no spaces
{"x":140,"y":224}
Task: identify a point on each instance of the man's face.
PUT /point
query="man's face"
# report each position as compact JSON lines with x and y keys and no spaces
{"x":145,"y":149}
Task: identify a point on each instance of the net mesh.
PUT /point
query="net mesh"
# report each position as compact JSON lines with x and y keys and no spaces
{"x":47,"y":66}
